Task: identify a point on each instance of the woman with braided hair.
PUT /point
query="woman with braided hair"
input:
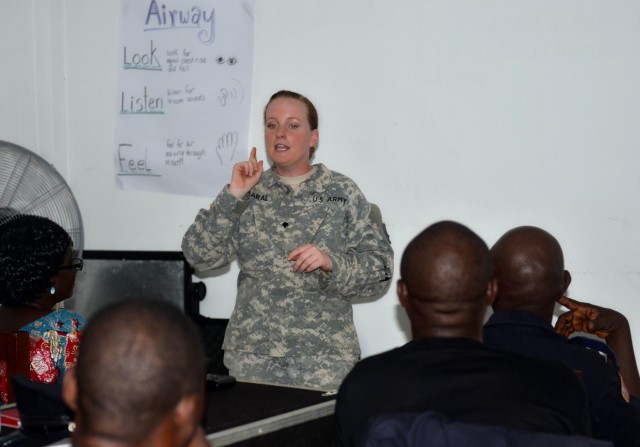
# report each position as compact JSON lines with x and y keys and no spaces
{"x":38,"y":271}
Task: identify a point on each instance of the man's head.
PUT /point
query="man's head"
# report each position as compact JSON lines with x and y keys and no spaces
{"x":530,"y":271}
{"x":140,"y":373}
{"x":446,"y":282}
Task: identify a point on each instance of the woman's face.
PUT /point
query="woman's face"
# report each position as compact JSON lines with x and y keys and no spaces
{"x":66,"y":278}
{"x":288,"y":136}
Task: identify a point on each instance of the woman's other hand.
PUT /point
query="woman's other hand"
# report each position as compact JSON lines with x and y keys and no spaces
{"x":245,"y":175}
{"x":308,"y":258}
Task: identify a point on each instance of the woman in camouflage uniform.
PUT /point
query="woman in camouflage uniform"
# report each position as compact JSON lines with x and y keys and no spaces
{"x":307,"y":242}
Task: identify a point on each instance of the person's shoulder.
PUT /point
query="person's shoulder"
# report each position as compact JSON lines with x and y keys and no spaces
{"x":380,"y":358}
{"x":525,"y":332}
{"x":334,"y":177}
{"x":324,"y":170}
{"x":591,"y":356}
{"x":536,"y":367}
{"x":66,"y":313}
{"x":552,"y":346}
{"x":68,"y":319}
{"x":377,"y":364}
{"x":61,"y":320}
{"x":342,"y":189}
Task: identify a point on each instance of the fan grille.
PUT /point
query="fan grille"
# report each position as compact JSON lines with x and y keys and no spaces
{"x":31,"y":185}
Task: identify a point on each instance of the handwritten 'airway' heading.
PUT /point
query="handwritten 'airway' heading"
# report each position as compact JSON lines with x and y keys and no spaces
{"x":163,"y":18}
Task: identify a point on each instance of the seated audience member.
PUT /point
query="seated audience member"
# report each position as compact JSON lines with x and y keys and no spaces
{"x":446,"y":284}
{"x":431,"y":429}
{"x":37,"y":271}
{"x":531,"y":279}
{"x":139,"y":379}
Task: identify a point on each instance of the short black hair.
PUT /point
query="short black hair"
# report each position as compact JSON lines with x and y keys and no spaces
{"x":32,"y":248}
{"x":447,"y":260}
{"x":137,"y":360}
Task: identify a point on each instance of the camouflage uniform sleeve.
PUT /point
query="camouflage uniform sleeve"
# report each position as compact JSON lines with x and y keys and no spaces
{"x":209,"y":242}
{"x":365,"y":267}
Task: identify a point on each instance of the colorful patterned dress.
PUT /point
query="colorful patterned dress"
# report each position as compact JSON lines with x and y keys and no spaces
{"x":53,"y":347}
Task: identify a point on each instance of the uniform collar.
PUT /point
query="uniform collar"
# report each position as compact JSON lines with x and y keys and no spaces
{"x":317,"y":182}
{"x":519,"y":318}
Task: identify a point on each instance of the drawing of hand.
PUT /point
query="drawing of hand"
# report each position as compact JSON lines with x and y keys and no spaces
{"x":226,"y":147}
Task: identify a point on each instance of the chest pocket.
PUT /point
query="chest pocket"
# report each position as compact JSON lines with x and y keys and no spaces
{"x":326,"y":226}
{"x":256,"y":250}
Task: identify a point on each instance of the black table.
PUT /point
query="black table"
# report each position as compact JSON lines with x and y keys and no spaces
{"x":249,"y":414}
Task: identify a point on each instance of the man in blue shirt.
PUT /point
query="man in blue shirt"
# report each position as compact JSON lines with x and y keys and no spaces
{"x":531,"y":279}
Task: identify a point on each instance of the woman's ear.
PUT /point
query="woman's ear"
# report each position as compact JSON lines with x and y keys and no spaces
{"x":55,"y":283}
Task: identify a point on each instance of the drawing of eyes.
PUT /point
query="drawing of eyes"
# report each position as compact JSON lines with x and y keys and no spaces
{"x":220,"y":60}
{"x":232,"y":60}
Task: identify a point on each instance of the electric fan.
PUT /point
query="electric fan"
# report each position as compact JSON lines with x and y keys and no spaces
{"x":31,"y":185}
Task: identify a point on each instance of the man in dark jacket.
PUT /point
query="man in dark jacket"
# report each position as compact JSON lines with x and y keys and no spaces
{"x":531,"y":279}
{"x":447,"y":282}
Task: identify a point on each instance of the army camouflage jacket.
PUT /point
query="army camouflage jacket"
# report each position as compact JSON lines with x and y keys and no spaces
{"x":279,"y":312}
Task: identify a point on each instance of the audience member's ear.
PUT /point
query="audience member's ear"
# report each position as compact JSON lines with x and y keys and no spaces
{"x":566,"y":280}
{"x":70,"y":389}
{"x":403,"y":293}
{"x":187,"y":416}
{"x":492,"y":291}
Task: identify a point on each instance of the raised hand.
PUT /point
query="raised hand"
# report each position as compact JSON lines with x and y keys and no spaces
{"x":608,"y":324}
{"x":308,"y":258}
{"x":245,"y":175}
{"x":589,"y":318}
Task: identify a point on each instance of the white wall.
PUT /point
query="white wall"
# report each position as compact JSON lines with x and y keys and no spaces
{"x":493,"y":113}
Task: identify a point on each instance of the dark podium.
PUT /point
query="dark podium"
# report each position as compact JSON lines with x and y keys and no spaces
{"x":250,"y":414}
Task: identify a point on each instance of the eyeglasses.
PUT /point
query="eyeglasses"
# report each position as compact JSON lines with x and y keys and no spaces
{"x":76,"y":264}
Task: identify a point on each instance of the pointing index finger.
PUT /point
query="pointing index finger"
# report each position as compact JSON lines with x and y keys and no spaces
{"x":567,"y":302}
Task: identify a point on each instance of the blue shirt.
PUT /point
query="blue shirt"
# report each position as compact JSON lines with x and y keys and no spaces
{"x":522,"y":331}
